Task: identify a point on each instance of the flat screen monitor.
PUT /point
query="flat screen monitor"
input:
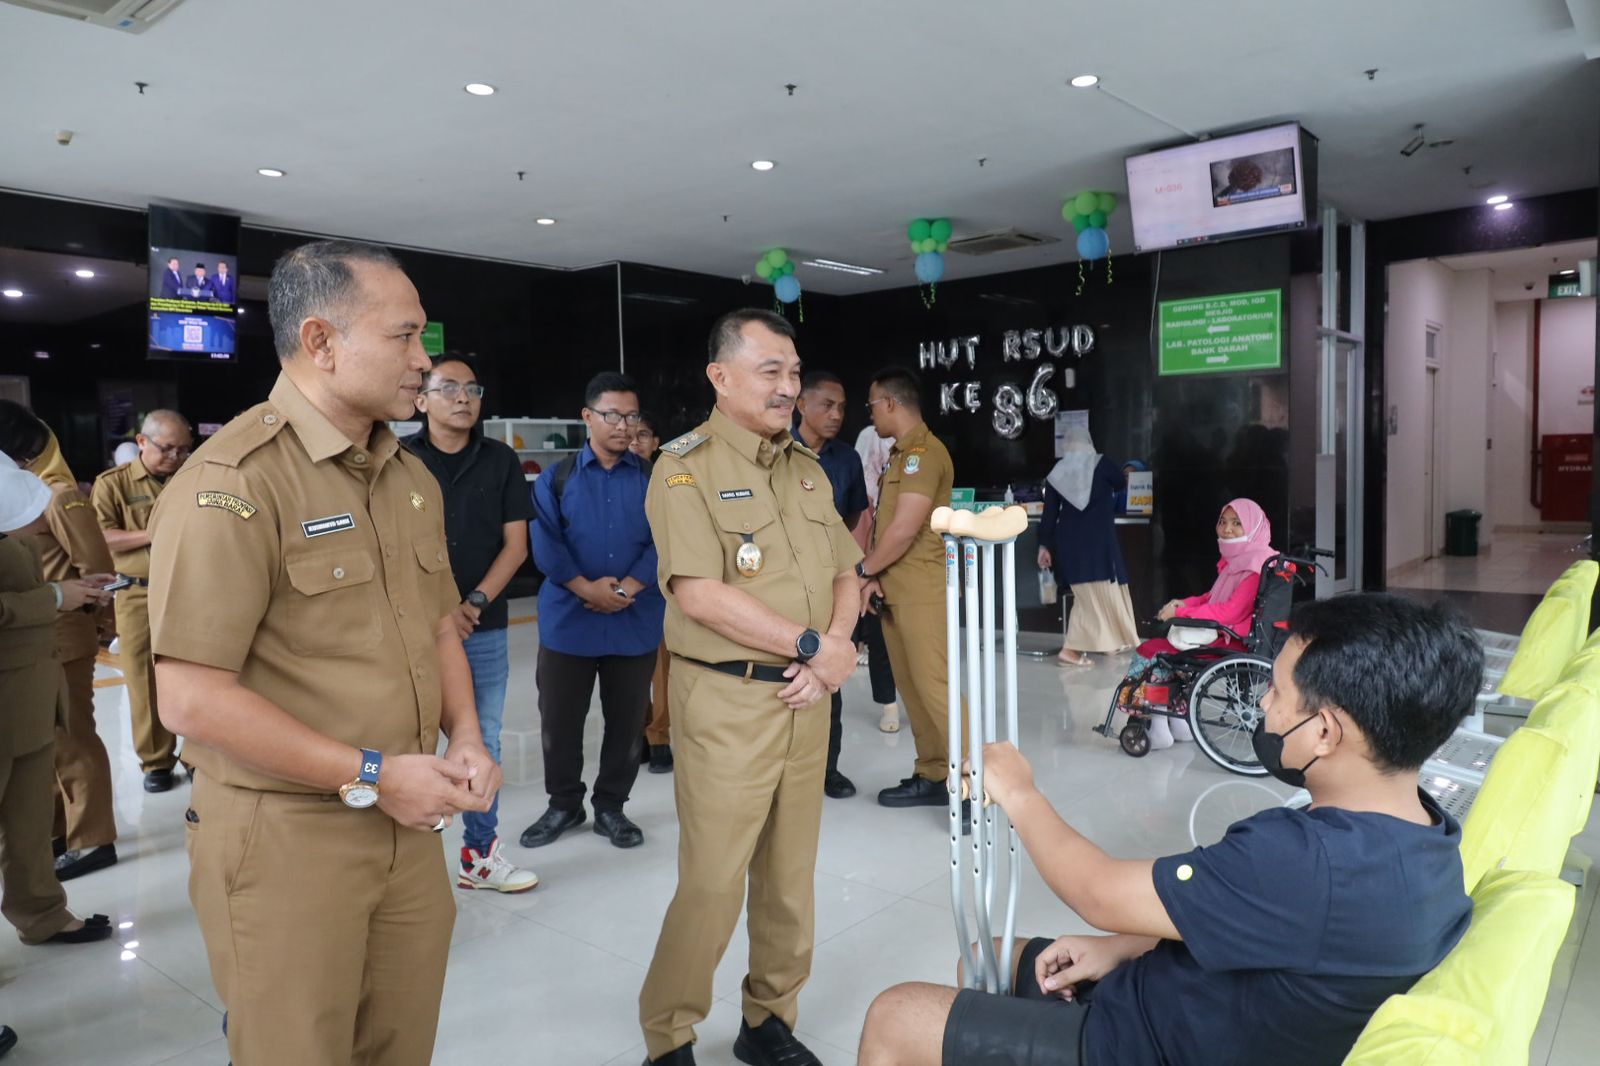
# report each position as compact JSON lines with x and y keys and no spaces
{"x":194,"y":278}
{"x":1240,"y":185}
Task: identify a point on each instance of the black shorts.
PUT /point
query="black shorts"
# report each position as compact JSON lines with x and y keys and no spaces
{"x":1026,"y":1028}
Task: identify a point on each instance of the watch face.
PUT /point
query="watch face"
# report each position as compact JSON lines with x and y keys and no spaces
{"x":809,"y":644}
{"x":359,"y":795}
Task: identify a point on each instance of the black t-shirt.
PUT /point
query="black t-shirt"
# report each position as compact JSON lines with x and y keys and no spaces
{"x":484,"y":488}
{"x":1295,"y":927}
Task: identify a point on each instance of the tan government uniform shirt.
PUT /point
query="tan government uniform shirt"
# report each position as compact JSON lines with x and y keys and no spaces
{"x":315,"y":569}
{"x":124,"y":498}
{"x":30,"y":672}
{"x":918,"y":463}
{"x":720,"y":487}
{"x":74,"y":546}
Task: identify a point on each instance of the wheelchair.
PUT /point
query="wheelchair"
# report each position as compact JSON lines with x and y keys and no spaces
{"x":1216,"y":690}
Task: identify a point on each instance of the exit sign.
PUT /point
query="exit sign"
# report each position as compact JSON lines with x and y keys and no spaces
{"x":1563,"y":285}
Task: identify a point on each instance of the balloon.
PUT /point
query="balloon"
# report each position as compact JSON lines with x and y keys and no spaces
{"x":1087,"y":202}
{"x":1093,"y":243}
{"x":777,"y":257}
{"x":942,"y":247}
{"x":918,"y":230}
{"x":1097,"y":219}
{"x":1080,"y":222}
{"x":787,"y":288}
{"x":1069,"y":208}
{"x":929,"y":267}
{"x":788,"y":268}
{"x":939,"y":229}
{"x":1106,"y":202}
{"x":763,"y":269}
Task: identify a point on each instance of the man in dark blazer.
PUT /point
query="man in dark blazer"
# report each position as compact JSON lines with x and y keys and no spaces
{"x":222,"y":286}
{"x":172,"y":281}
{"x":197,"y":286}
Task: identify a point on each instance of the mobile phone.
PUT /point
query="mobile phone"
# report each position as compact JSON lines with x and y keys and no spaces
{"x":117,"y":585}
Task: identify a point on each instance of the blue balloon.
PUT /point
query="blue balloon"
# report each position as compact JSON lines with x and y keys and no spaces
{"x":929,"y":267}
{"x":787,"y":288}
{"x":1093,"y":243}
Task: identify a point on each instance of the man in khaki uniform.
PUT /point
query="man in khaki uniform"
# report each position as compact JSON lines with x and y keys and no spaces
{"x":758,"y":572}
{"x":905,"y":565}
{"x":305,"y":651}
{"x":123,"y":500}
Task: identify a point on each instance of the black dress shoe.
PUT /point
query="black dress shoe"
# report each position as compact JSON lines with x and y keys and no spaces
{"x":771,"y":1044}
{"x":916,"y":792}
{"x":615,"y":826}
{"x":661,"y":758}
{"x":551,"y":825}
{"x":837,"y":786}
{"x":679,"y":1056}
{"x":95,"y":927}
{"x":158,"y":781}
{"x":75,"y":863}
{"x":58,"y":846}
{"x":8,"y":1039}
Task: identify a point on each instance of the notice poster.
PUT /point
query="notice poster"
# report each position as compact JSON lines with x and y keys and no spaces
{"x":1141,"y":492}
{"x":1215,"y":334}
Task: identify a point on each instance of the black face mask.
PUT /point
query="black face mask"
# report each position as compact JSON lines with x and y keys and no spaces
{"x":1269,"y":750}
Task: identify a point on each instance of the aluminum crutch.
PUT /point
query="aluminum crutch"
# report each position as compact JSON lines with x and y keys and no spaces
{"x":1013,"y":734}
{"x":975,"y":727}
{"x":952,"y":614}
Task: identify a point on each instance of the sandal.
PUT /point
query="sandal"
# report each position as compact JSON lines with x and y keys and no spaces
{"x":95,"y":927}
{"x":890,"y":722}
{"x":1079,"y":658}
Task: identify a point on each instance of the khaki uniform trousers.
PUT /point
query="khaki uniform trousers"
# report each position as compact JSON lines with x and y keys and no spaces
{"x":915,"y":635}
{"x":33,"y":900}
{"x":156,"y":745}
{"x":658,"y":730}
{"x":326,"y":927}
{"x":83,"y":811}
{"x":748,"y":778}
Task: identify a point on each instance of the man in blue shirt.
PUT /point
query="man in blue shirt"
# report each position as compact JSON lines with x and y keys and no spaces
{"x":820,"y":411}
{"x":600,"y":615}
{"x":1274,"y":945}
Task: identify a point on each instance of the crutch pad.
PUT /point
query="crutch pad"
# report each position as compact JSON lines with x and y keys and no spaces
{"x":993,"y":525}
{"x":940,"y":521}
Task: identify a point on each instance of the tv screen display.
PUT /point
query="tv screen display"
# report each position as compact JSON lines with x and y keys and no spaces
{"x":193,"y":284}
{"x":1241,"y":185}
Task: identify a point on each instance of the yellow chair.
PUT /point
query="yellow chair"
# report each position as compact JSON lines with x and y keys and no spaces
{"x":1521,"y":818}
{"x":1571,"y":712}
{"x":1549,"y":640}
{"x":1416,"y":1030}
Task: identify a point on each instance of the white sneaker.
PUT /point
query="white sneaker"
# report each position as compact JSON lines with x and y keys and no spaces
{"x":493,"y":871}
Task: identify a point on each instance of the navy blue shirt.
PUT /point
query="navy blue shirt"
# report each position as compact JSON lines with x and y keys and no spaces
{"x":1083,"y":544}
{"x":842,"y":464}
{"x":596,"y":529}
{"x":1295,"y":927}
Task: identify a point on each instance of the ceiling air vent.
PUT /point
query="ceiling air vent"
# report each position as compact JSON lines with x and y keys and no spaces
{"x":129,"y":16}
{"x":1004,"y":241}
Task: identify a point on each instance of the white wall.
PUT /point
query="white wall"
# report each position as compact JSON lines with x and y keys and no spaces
{"x":1511,"y":418}
{"x":1419,"y":293}
{"x":1465,"y":410}
{"x":1566,"y":365}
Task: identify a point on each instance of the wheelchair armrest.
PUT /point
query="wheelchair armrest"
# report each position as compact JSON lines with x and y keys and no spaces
{"x":1162,"y":629}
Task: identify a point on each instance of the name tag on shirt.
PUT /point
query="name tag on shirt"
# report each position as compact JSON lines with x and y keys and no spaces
{"x":321,"y":527}
{"x":736,"y":494}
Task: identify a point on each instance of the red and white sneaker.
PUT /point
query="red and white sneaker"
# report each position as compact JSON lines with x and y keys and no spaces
{"x":491,"y":870}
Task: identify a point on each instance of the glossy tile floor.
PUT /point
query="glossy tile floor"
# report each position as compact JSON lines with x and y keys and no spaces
{"x":553,"y":976}
{"x":1515,"y":562}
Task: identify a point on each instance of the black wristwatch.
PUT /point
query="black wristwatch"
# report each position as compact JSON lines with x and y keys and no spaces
{"x":477,"y":599}
{"x":861,"y":571}
{"x":807,"y":645}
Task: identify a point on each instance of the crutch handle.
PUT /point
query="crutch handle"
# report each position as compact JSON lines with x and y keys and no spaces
{"x":992,"y":526}
{"x":966,"y":791}
{"x":939,"y":521}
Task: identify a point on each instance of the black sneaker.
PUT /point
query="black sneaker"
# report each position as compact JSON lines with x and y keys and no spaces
{"x":915,"y":792}
{"x":75,"y":863}
{"x":771,"y":1044}
{"x":8,"y":1039}
{"x":158,"y":781}
{"x":837,"y":786}
{"x":551,"y":825}
{"x":615,"y":827}
{"x":661,"y":758}
{"x":58,"y":846}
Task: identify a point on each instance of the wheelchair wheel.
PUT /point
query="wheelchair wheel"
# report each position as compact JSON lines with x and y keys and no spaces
{"x":1224,"y":706}
{"x":1135,"y":739}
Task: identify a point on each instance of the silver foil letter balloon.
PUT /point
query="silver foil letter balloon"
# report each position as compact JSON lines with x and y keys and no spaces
{"x":1042,"y":402}
{"x":1007,"y":418}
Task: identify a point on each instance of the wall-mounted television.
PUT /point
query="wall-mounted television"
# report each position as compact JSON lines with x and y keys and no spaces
{"x":1238,"y":185}
{"x":194,"y":278}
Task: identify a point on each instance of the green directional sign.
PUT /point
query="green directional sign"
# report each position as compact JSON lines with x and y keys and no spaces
{"x":1215,"y":334}
{"x":433,"y":338}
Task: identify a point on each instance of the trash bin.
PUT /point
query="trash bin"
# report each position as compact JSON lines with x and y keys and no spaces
{"x":1461,"y":532}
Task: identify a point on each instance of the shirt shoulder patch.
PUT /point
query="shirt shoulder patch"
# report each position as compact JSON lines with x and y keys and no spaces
{"x":686,"y":443}
{"x":227,"y":502}
{"x":680,"y":479}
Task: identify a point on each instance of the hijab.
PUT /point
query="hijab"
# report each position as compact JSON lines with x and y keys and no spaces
{"x":51,"y":466}
{"x":1073,"y":474}
{"x":1246,"y":555}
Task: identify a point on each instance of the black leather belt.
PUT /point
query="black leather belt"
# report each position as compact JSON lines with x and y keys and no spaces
{"x":142,"y":582}
{"x":747,"y":670}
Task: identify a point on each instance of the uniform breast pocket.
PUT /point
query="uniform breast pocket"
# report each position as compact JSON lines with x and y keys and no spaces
{"x":333,"y":609}
{"x":820,"y":517}
{"x":753,"y":537}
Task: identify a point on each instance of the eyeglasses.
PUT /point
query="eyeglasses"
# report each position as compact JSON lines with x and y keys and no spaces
{"x":870,"y":404}
{"x":172,"y":449}
{"x":450,"y":390}
{"x":614,"y":417}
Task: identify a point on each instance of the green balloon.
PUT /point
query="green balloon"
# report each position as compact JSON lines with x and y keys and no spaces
{"x":1106,"y":202}
{"x":1097,"y":218}
{"x":777,"y":257}
{"x":1087,"y":202}
{"x":942,"y":247}
{"x":939,"y":230}
{"x":788,"y":268}
{"x":918,"y":230}
{"x":931,"y":244}
{"x":1069,"y":209}
{"x":1080,"y":222}
{"x":763,"y":268}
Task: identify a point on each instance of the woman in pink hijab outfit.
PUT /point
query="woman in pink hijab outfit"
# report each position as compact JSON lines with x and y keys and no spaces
{"x":1244,"y":540}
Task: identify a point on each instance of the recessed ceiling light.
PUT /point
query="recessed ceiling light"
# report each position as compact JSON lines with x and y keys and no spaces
{"x":1568,"y":273}
{"x":545,"y":221}
{"x":843,"y":268}
{"x":1497,"y":199}
{"x":763,"y":164}
{"x":478,"y":88}
{"x":84,"y":273}
{"x":1504,"y":207}
{"x":270,"y":172}
{"x":13,"y":294}
{"x":1085,"y":81}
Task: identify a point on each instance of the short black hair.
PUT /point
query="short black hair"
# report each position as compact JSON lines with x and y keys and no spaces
{"x":900,"y":383}
{"x":316,"y":279}
{"x":818,"y":378}
{"x":727,"y":334}
{"x":468,"y":361}
{"x":647,"y":420}
{"x":199,"y":266}
{"x":607,"y":381}
{"x":22,"y":435}
{"x":1406,"y":673}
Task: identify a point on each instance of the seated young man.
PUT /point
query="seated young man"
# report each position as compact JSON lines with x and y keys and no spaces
{"x":1276,"y":944}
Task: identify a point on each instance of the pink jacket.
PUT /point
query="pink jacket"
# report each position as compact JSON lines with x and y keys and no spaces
{"x":1234,"y":612}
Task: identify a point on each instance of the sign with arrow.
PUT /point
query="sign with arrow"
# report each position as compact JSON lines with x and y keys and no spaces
{"x":1218,"y":334}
